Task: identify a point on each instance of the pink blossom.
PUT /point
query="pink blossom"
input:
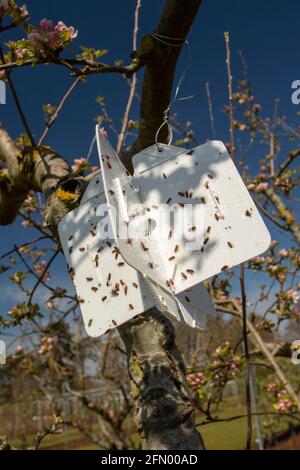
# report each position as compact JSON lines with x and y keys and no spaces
{"x":234,"y":365}
{"x":283,"y":253}
{"x":14,"y":311}
{"x":23,"y":11}
{"x":271,"y":386}
{"x":60,"y":27}
{"x":20,"y":53}
{"x":262,"y":187}
{"x":79,"y":164}
{"x":26,"y":223}
{"x":103,"y":132}
{"x":34,"y":38}
{"x":50,"y":306}
{"x":46,"y":25}
{"x":195,"y":379}
{"x":47,"y":343}
{"x":284,"y":405}
{"x":40,"y":268}
{"x":25,"y":250}
{"x":94,"y":168}
{"x":52,"y":39}
{"x":256,"y":108}
{"x":273,"y":268}
{"x":293,"y":295}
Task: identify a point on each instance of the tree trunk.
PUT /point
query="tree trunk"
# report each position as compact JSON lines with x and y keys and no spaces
{"x":163,"y":410}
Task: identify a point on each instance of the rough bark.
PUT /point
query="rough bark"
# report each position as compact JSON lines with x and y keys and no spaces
{"x":164,"y":412}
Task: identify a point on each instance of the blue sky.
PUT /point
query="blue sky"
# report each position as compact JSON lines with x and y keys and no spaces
{"x":265,"y":32}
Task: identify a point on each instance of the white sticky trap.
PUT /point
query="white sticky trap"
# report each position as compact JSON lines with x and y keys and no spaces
{"x":111,"y":292}
{"x":226,"y":228}
{"x":108,"y":289}
{"x":131,"y":226}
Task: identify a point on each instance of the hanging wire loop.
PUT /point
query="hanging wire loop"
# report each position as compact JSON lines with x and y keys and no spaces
{"x":166,"y":114}
{"x":164,"y":123}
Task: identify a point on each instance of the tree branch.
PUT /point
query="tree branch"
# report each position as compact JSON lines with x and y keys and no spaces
{"x":284,"y":213}
{"x":175,"y":22}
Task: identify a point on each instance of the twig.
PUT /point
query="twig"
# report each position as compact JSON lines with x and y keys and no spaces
{"x":58,"y":110}
{"x":272,"y":154}
{"x":291,"y":157}
{"x":17,"y":101}
{"x":234,"y":418}
{"x":36,"y":276}
{"x":270,"y":216}
{"x":92,"y":144}
{"x":229,"y":73}
{"x":247,"y":356}
{"x":52,"y":430}
{"x":210,"y":110}
{"x":242,"y":267}
{"x":133,"y":81}
{"x":41,"y":277}
{"x":89,"y":67}
{"x":23,"y":245}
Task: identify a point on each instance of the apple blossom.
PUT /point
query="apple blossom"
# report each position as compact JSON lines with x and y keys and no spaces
{"x":104,"y":133}
{"x":26,"y":223}
{"x":34,"y":38}
{"x":53,"y":39}
{"x":61,"y":27}
{"x":262,"y":187}
{"x":24,"y":12}
{"x":283,"y":253}
{"x":46,"y":25}
{"x":79,"y":164}
{"x":293,"y":295}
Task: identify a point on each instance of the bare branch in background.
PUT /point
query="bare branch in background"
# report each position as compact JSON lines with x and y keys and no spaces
{"x":242,"y":267}
{"x":133,"y":81}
